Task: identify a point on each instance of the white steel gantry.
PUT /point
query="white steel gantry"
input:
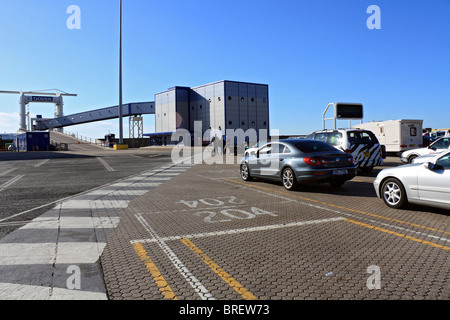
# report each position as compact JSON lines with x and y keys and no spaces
{"x":39,"y":97}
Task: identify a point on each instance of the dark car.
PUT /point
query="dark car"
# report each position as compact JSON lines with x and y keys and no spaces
{"x":297,"y":161}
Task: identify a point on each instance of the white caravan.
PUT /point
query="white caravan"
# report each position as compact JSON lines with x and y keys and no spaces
{"x":396,"y":135}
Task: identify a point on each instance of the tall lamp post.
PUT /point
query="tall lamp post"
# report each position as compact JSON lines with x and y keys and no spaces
{"x":120,"y":78}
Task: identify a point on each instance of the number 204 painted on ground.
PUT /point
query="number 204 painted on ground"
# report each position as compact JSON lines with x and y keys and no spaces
{"x":224,"y":215}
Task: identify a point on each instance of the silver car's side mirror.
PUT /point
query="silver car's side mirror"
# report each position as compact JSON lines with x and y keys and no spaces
{"x":429,"y":165}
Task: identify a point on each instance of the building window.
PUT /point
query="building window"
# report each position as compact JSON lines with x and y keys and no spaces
{"x":229,"y":97}
{"x":230,"y":122}
{"x":201,"y":107}
{"x":265,"y":123}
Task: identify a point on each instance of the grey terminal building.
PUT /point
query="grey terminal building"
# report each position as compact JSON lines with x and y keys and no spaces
{"x":221,"y":105}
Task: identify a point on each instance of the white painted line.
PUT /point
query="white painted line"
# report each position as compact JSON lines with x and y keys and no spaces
{"x":4,"y":173}
{"x":79,"y":252}
{"x":190,"y":278}
{"x":37,"y":165}
{"x":105,"y":164}
{"x":236,"y":231}
{"x":354,"y":216}
{"x":10,"y":182}
{"x":98,"y":204}
{"x":27,"y":253}
{"x":12,"y":291}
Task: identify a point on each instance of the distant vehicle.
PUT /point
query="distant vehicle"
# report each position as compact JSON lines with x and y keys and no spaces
{"x":442,"y":144}
{"x":297,"y":161}
{"x":396,"y":135}
{"x":437,"y":134}
{"x":253,"y":148}
{"x":362,"y":144}
{"x":425,"y":183}
{"x":426,"y":157}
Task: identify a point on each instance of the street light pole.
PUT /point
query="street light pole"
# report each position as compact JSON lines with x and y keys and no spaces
{"x":120,"y":78}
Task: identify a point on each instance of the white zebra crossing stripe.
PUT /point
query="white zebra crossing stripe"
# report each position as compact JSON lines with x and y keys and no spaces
{"x":72,"y":233}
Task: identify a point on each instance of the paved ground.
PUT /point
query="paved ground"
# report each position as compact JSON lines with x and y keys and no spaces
{"x":222,"y":238}
{"x":197,"y":232}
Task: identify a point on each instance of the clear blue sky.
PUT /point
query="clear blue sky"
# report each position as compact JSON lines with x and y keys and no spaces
{"x":309,"y":52}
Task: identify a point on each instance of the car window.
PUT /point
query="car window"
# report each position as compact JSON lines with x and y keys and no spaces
{"x":334,"y":138}
{"x":444,"y":162}
{"x":323,"y":136}
{"x":314,"y":146}
{"x":361,"y":137}
{"x":266,"y":149}
{"x":442,"y":143}
{"x":277,"y":148}
{"x":286,"y":150}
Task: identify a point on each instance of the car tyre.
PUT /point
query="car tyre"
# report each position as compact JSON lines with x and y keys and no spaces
{"x":245,"y":172}
{"x":393,"y":193}
{"x":289,"y":180}
{"x":411,"y":158}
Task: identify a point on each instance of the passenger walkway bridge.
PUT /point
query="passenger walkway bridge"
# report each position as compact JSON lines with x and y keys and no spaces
{"x":128,"y":110}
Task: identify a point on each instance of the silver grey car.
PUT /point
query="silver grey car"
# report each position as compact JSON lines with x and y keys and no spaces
{"x":426,"y":183}
{"x":297,"y":161}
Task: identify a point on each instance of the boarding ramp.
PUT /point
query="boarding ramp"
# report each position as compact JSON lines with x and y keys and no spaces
{"x":128,"y":110}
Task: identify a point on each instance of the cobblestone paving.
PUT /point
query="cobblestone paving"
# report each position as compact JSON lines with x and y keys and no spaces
{"x":206,"y":234}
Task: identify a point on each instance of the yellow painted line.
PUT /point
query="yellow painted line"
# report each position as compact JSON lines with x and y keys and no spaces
{"x":162,"y":284}
{"x":247,"y":295}
{"x":340,"y":207}
{"x":399,"y":235}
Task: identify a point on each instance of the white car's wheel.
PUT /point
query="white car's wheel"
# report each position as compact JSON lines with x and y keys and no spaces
{"x":393,"y":193}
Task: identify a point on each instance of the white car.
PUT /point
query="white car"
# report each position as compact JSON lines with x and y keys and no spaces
{"x":426,"y":157}
{"x":442,"y":144}
{"x":426,"y":183}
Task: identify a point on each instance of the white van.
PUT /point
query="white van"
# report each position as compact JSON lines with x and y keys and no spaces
{"x":396,"y":135}
{"x":363,"y":145}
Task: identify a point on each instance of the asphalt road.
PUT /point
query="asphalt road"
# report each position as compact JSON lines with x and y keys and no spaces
{"x":31,"y":183}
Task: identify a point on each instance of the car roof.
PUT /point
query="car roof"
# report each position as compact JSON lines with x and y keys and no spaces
{"x":340,"y":129}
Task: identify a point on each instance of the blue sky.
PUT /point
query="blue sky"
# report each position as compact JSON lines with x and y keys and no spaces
{"x":309,"y":52}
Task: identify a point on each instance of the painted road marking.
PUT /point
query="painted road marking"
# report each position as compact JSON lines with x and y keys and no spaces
{"x":352,"y":215}
{"x":399,"y":235}
{"x":4,"y":173}
{"x":10,"y":182}
{"x":237,"y":231}
{"x":105,"y":164}
{"x":37,"y":165}
{"x":158,"y":278}
{"x":63,"y":237}
{"x":247,"y":295}
{"x":344,"y":208}
{"x":182,"y":269}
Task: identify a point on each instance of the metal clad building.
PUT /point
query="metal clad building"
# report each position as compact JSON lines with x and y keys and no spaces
{"x":220,"y":105}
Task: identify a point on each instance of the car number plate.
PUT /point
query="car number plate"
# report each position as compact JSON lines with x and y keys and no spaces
{"x":340,"y":172}
{"x":366,"y":154}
